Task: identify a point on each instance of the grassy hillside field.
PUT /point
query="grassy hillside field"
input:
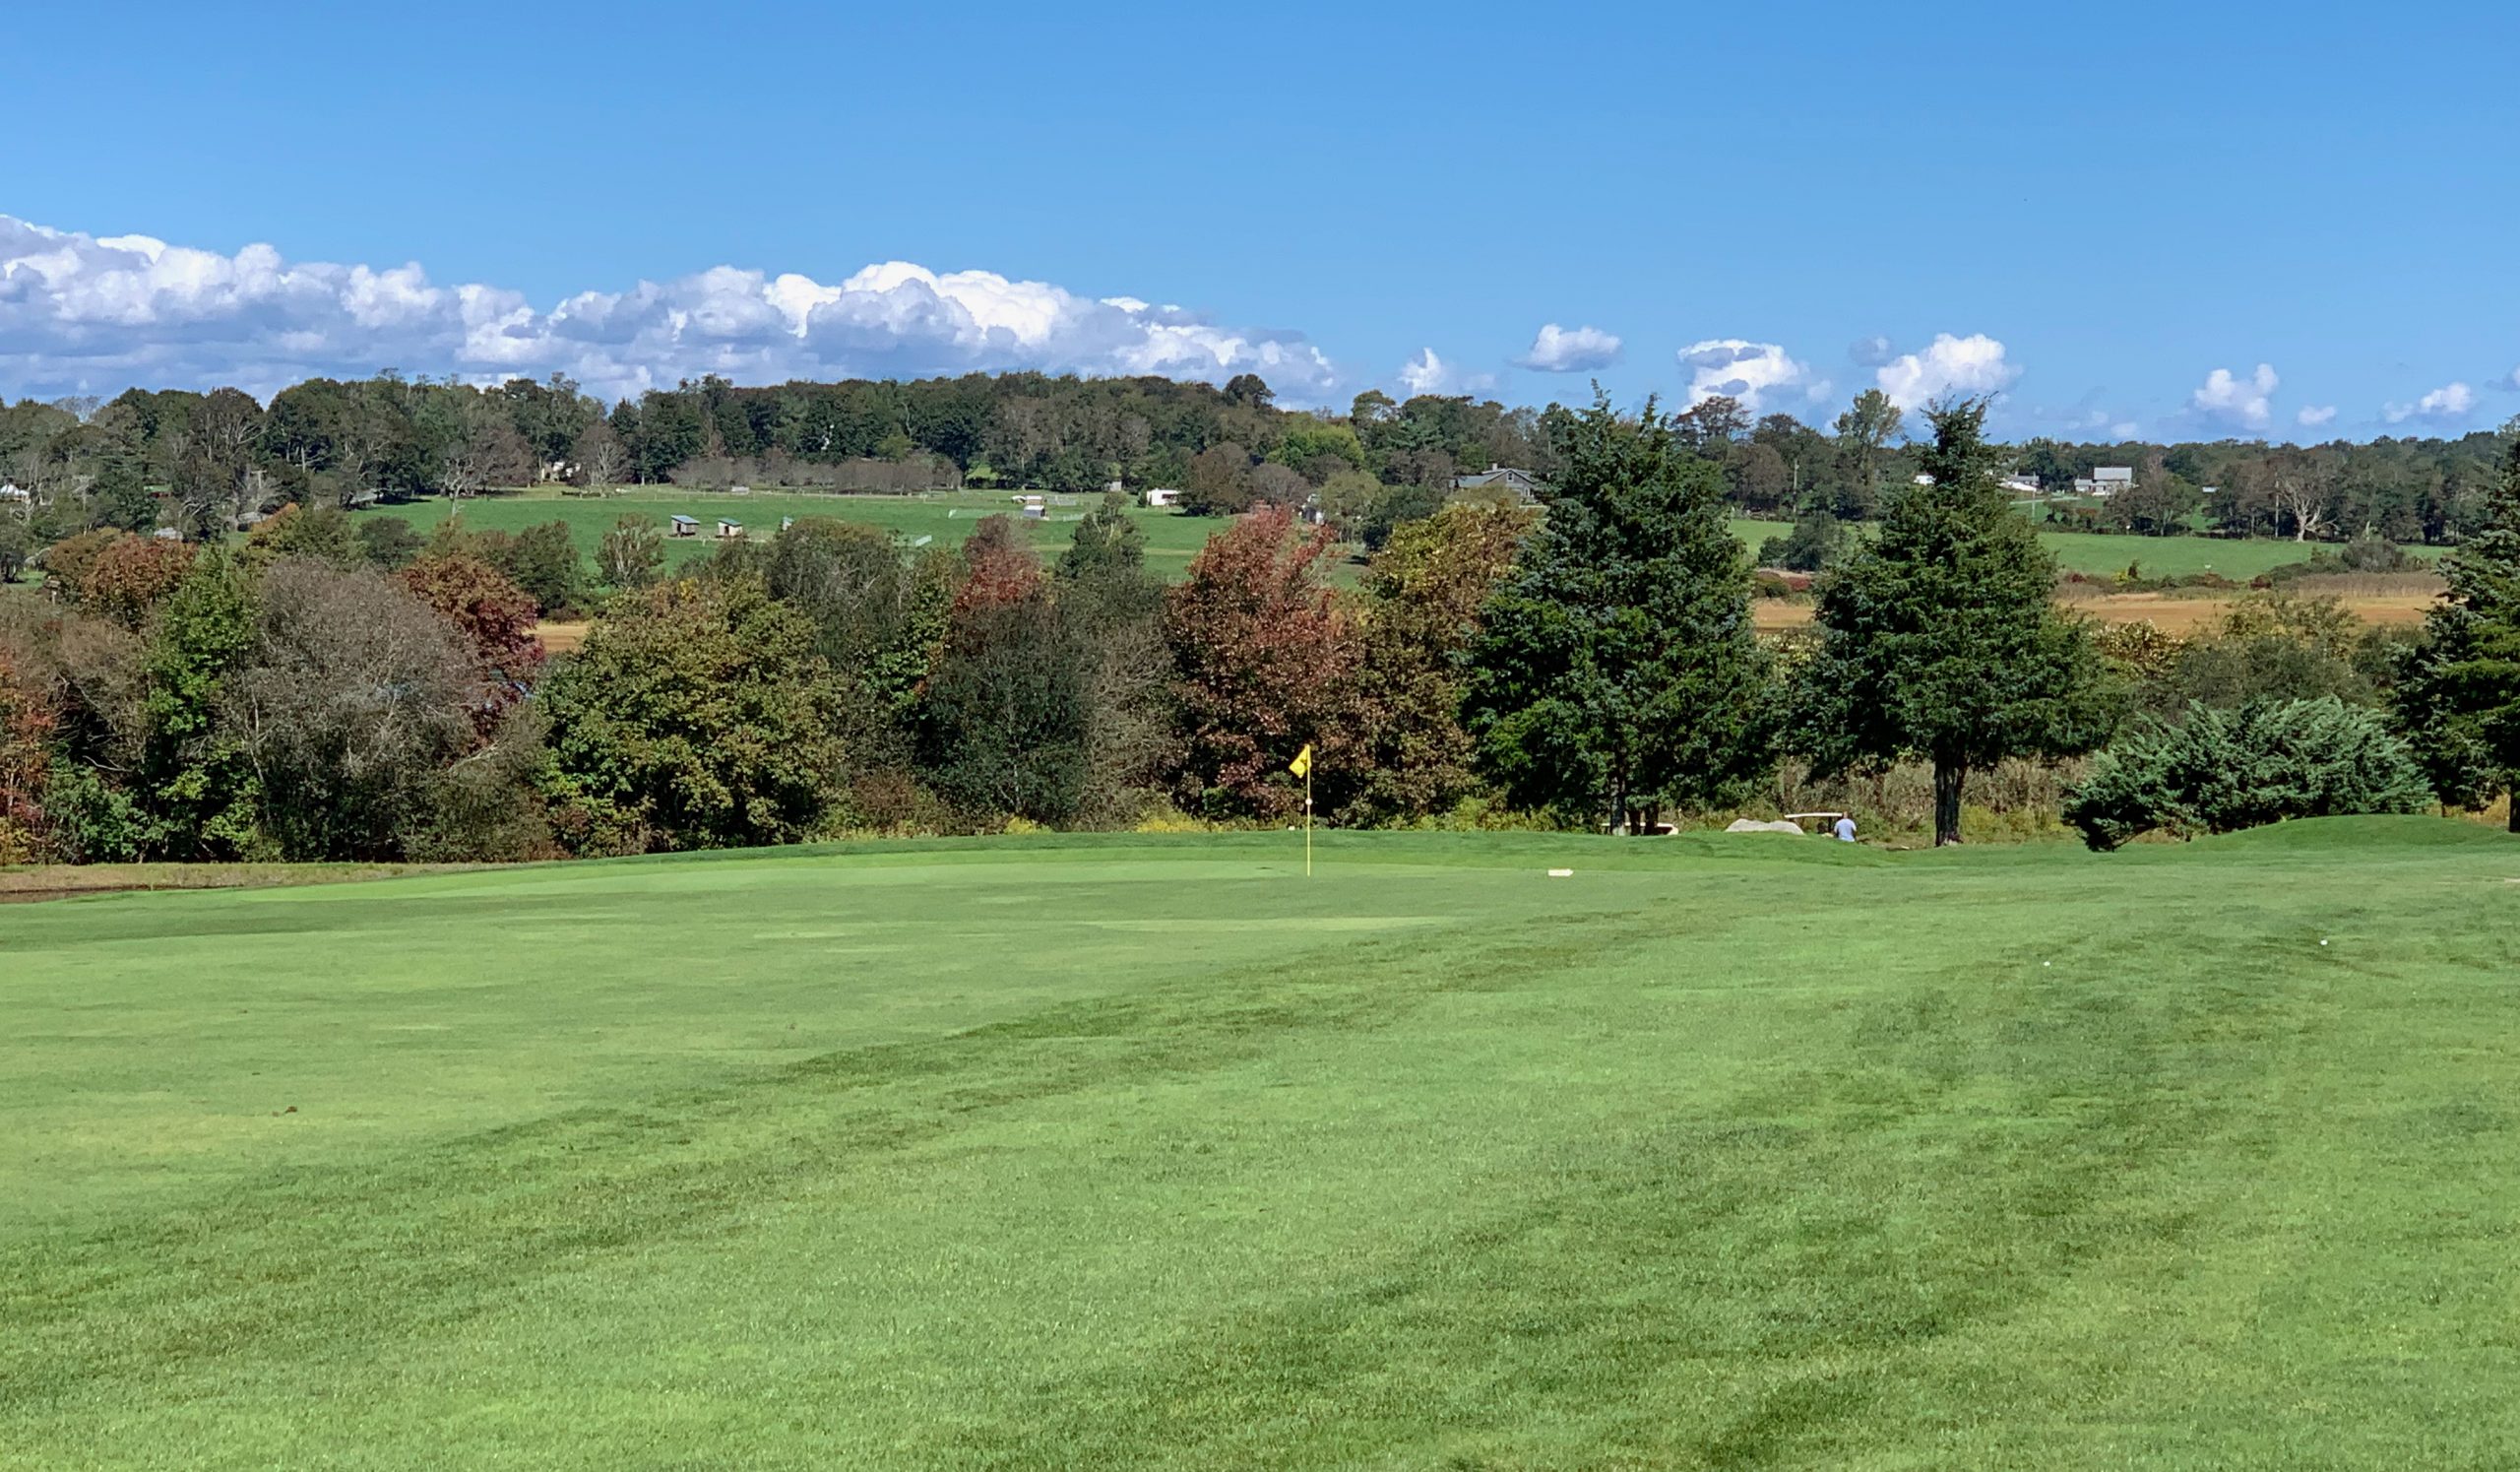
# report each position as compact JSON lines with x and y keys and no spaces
{"x":1149,"y":1152}
{"x":947,"y":516}
{"x":1172,"y":539}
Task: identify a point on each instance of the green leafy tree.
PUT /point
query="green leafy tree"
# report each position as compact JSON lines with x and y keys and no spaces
{"x":312,"y":534}
{"x":1425,"y":592}
{"x":2458,"y":695}
{"x":1101,"y":583}
{"x":1866,"y":433}
{"x":2219,"y":771}
{"x":388,"y":542}
{"x":1940,"y":639}
{"x":197,"y":786}
{"x":1618,"y":668}
{"x":696,"y":716}
{"x":1004,"y":713}
{"x":631,"y":554}
{"x":1818,"y":539}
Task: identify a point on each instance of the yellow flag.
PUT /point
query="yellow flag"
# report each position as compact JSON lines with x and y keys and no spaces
{"x":1302,"y":766}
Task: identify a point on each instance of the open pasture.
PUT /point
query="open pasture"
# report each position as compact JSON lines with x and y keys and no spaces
{"x":1148,"y":1152}
{"x":1171,"y":538}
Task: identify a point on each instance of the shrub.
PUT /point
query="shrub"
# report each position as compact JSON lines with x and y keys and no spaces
{"x":2223,"y":770}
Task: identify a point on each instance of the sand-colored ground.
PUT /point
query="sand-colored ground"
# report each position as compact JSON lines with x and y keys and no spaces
{"x":560,"y":638}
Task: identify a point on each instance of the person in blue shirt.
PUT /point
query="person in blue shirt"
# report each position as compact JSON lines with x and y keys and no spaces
{"x":1844,"y":827}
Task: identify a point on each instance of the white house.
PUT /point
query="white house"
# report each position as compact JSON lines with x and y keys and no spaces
{"x":1163,"y":496}
{"x":10,"y":491}
{"x":2020,"y":485}
{"x":2105,"y":482}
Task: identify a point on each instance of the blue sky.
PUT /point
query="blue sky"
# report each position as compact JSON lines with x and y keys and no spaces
{"x":2124,"y":198}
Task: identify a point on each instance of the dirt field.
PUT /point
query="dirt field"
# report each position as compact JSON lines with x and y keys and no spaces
{"x":561,"y":638}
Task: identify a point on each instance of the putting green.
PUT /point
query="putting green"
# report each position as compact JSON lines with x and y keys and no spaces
{"x":1134,"y":1151}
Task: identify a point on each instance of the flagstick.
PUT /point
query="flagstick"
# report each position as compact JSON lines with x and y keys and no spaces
{"x":1307,"y":820}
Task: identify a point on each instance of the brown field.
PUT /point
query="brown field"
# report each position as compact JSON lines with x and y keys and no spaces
{"x":2170,"y":613}
{"x":560,"y":638}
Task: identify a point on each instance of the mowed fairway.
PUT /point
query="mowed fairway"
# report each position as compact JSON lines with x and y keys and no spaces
{"x":1149,"y":1152}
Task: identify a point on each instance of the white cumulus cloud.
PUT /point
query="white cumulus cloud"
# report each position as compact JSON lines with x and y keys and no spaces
{"x":2236,"y":403}
{"x":97,"y":314}
{"x":2448,"y":405}
{"x":1571,"y":350}
{"x":1425,"y":374}
{"x":1760,"y":376}
{"x":1948,"y":365}
{"x":2315,"y":416}
{"x":1428,"y":374}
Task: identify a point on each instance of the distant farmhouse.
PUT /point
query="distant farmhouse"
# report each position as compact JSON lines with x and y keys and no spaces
{"x":1499,"y":481}
{"x":2105,"y":481}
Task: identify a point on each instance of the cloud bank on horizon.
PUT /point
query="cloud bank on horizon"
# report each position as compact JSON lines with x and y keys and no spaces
{"x":97,"y":314}
{"x":83,"y":313}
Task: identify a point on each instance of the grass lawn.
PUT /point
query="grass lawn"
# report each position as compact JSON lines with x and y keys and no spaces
{"x":1172,"y":539}
{"x":2101,"y":553}
{"x":1149,"y":1152}
{"x":948,"y":516}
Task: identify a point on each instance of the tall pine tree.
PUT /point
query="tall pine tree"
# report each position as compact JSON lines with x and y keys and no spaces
{"x":2459,"y":694}
{"x":1941,"y":638}
{"x":1617,"y":670}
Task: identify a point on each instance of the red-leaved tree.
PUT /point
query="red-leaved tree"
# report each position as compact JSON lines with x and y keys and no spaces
{"x":1265,"y":657}
{"x":26,"y":720}
{"x":494,"y":616}
{"x":130,"y":576}
{"x":999,"y":567}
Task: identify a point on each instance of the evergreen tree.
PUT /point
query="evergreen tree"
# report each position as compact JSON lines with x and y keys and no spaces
{"x":1941,"y":638}
{"x":2219,"y":771}
{"x":1618,"y":668}
{"x":2459,"y":695}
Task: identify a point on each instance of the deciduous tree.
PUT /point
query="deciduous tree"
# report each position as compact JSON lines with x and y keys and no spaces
{"x":1264,"y":659}
{"x":697,"y":715}
{"x":1425,"y":592}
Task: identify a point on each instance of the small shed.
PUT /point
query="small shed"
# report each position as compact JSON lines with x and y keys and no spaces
{"x":1163,"y":496}
{"x":1036,"y":511}
{"x":729,"y":530}
{"x":684,"y":525}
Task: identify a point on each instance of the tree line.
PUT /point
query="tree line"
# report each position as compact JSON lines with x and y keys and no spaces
{"x":328,"y":688}
{"x":204,"y":464}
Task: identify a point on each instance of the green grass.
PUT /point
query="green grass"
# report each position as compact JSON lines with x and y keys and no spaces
{"x":1149,"y":1152}
{"x":2103,"y":554}
{"x":949,"y":517}
{"x":1172,"y":539}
